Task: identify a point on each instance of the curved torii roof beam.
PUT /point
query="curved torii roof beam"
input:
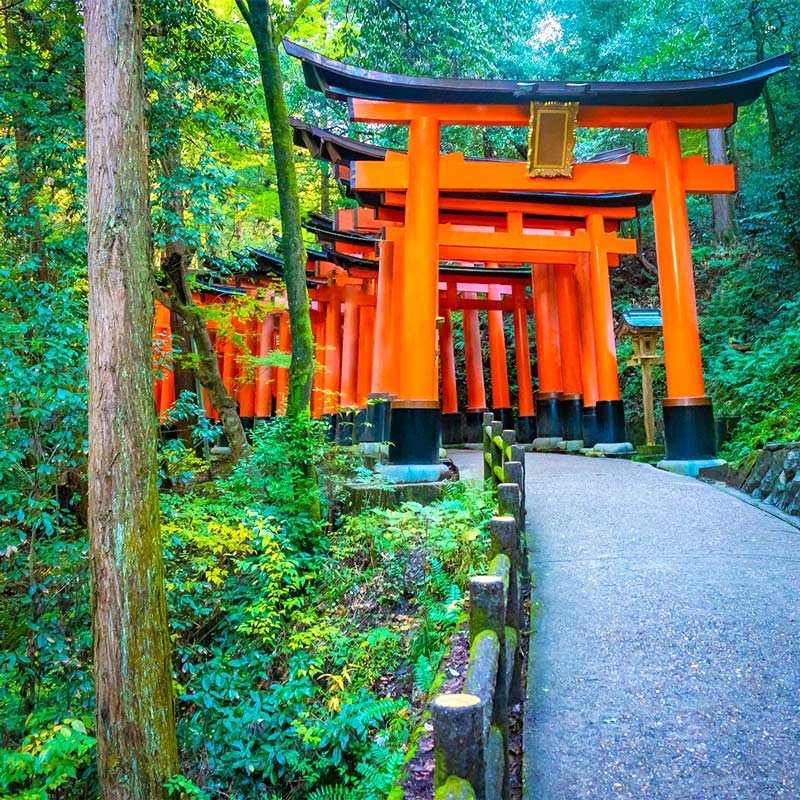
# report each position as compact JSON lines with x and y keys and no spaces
{"x":344,"y":82}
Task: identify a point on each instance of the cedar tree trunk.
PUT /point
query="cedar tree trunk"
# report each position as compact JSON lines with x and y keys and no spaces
{"x":136,"y":746}
{"x":721,"y":204}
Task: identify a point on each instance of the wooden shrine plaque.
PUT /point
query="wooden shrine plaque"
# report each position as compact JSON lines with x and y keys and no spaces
{"x":551,"y":141}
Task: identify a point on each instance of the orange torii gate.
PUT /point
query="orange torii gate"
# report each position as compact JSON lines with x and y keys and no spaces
{"x":509,"y":212}
{"x":660,"y":107}
{"x":560,"y":306}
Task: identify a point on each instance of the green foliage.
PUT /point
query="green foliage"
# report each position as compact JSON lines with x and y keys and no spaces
{"x":56,"y":758}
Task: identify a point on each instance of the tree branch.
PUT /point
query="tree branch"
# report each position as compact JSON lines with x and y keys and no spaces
{"x":9,"y":6}
{"x":161,"y":296}
{"x":647,"y":264}
{"x":244,"y":10}
{"x":296,"y":12}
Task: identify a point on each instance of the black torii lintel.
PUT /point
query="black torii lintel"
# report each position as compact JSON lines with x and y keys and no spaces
{"x":343,"y":82}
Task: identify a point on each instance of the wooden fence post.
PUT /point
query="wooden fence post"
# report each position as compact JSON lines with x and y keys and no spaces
{"x":488,"y":417}
{"x":458,"y":741}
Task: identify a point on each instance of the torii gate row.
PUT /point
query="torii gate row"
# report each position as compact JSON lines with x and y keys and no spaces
{"x":603,"y":420}
{"x":503,"y":212}
{"x":603,"y":417}
{"x":661,"y":107}
{"x":262,"y":390}
{"x":561,"y":366}
{"x":508,"y":212}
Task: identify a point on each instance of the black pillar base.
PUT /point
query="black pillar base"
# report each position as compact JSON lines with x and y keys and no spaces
{"x":506,"y":416}
{"x":548,"y":422}
{"x":526,"y":429}
{"x":570,"y":411}
{"x":473,"y":425}
{"x":689,"y":429}
{"x":610,"y":421}
{"x":376,"y":427}
{"x":452,"y":429}
{"x":415,"y":432}
{"x":590,"y":426}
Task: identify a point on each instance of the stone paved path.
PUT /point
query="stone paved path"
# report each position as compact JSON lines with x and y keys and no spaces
{"x":666,"y":656}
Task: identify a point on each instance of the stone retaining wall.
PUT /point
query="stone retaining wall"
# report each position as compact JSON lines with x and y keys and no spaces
{"x":773,"y":476}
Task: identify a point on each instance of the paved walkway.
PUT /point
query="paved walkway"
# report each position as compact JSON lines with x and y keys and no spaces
{"x":666,"y":656}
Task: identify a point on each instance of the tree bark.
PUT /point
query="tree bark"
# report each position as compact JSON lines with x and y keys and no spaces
{"x":136,"y":745}
{"x":301,"y":369}
{"x":722,"y":214}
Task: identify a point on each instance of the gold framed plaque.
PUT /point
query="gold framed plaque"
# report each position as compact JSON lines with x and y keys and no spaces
{"x":551,"y":140}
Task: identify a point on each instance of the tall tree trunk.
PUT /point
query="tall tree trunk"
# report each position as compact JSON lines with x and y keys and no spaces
{"x":136,"y":745}
{"x":301,"y":369}
{"x":29,"y":185}
{"x":721,"y":204}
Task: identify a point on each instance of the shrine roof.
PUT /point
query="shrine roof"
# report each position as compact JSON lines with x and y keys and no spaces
{"x":343,"y":82}
{"x":640,"y":320}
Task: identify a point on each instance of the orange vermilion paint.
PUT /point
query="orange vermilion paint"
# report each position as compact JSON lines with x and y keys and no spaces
{"x":548,"y":350}
{"x":333,"y":354}
{"x":419,"y":285}
{"x":569,"y":333}
{"x":604,"y":341}
{"x":366,"y":344}
{"x":263,"y":406}
{"x":476,"y":391}
{"x":497,"y":353}
{"x":588,"y":360}
{"x":522,"y":349}
{"x":382,"y":350}
{"x":676,"y":281}
{"x":448,"y":366}
{"x":285,"y":346}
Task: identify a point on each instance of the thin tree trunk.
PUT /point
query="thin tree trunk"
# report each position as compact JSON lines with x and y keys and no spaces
{"x":136,"y":745}
{"x":301,"y":369}
{"x":188,"y":325}
{"x":207,"y":367}
{"x":721,"y":204}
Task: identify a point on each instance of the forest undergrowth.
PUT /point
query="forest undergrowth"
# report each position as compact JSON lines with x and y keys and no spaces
{"x":304,"y":653}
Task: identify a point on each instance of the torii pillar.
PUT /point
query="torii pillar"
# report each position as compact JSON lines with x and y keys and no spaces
{"x":688,"y":414}
{"x":501,"y":400}
{"x":452,"y":423}
{"x":571,"y":400}
{"x":610,"y":411}
{"x":416,"y":416}
{"x":548,"y":353}
{"x":588,"y":357}
{"x":526,"y":420}
{"x":476,"y":389}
